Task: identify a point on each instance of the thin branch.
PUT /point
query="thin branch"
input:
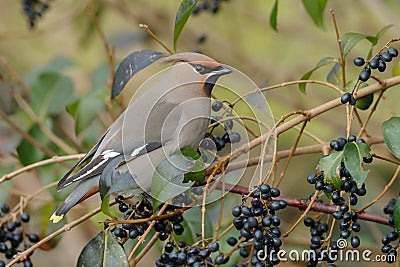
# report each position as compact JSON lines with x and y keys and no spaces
{"x":147,"y":29}
{"x":26,"y":135}
{"x":205,"y":193}
{"x":291,"y":153}
{"x":373,"y":109}
{"x":145,"y":249}
{"x":142,"y":238}
{"x":303,"y":204}
{"x":339,"y":42}
{"x":53,"y":138}
{"x":386,"y":159}
{"x":276,"y":86}
{"x":221,"y":208}
{"x":383,"y":191}
{"x":313,"y":199}
{"x":35,"y":165}
{"x":109,"y":51}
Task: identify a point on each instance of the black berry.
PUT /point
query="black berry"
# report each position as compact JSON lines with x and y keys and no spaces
{"x":359,"y":61}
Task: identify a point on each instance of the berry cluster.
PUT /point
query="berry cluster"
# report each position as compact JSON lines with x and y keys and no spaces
{"x":392,"y":236}
{"x":180,"y":254}
{"x":228,"y":136}
{"x":377,"y":62}
{"x":34,"y":9}
{"x":338,"y":145}
{"x":343,"y":197}
{"x":258,"y":224}
{"x":144,"y":209}
{"x":13,"y":238}
{"x":212,"y":6}
{"x":318,"y":233}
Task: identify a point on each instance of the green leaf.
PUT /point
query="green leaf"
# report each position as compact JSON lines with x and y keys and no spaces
{"x":55,"y":65}
{"x":349,"y":40}
{"x":99,"y":77}
{"x":323,"y":62}
{"x":396,"y":69}
{"x":28,"y":153}
{"x":316,"y":8}
{"x":396,"y":214}
{"x":51,"y":93}
{"x":330,"y":166}
{"x":103,"y":250}
{"x":131,"y":65}
{"x":86,"y":109}
{"x":383,"y":31}
{"x":334,"y":75}
{"x":184,"y":11}
{"x":198,"y":171}
{"x":6,"y":187}
{"x":273,"y":17}
{"x":353,"y":154}
{"x":391,"y":135}
{"x":168,"y":178}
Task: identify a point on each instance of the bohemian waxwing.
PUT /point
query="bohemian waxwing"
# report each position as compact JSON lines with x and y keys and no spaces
{"x":173,"y":113}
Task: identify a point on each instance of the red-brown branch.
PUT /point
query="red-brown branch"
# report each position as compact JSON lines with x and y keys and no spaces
{"x":302,"y":204}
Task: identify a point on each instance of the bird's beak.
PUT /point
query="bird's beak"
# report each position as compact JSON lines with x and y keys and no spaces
{"x":222,"y":71}
{"x":213,"y":77}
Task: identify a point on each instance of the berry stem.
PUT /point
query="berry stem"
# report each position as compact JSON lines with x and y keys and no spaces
{"x":147,"y":29}
{"x":142,"y":238}
{"x":373,"y":109}
{"x":292,"y":150}
{"x":300,"y":219}
{"x":145,"y":249}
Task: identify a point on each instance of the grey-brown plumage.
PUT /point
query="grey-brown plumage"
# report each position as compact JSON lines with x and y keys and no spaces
{"x":172,"y":113}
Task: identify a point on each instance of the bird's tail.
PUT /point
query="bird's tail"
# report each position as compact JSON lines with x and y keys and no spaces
{"x":83,"y":190}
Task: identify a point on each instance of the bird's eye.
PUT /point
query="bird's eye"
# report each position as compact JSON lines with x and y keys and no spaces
{"x":198,"y":68}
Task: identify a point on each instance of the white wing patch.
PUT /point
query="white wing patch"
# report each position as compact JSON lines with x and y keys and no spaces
{"x":106,"y":155}
{"x":138,"y":150}
{"x":110,"y":153}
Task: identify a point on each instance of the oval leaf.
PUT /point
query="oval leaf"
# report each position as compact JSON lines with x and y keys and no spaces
{"x":184,"y":11}
{"x":168,"y":178}
{"x":323,"y":62}
{"x":103,"y":250}
{"x":330,"y":165}
{"x":349,"y":40}
{"x":383,"y":31}
{"x":51,"y":93}
{"x":131,"y":65}
{"x":353,"y":154}
{"x":316,"y":8}
{"x":391,"y":135}
{"x":273,"y":17}
{"x":334,"y":75}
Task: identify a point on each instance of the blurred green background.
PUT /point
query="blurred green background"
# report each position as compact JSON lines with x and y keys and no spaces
{"x":239,"y":35}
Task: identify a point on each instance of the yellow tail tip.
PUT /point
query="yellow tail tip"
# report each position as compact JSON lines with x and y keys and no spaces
{"x":56,"y":218}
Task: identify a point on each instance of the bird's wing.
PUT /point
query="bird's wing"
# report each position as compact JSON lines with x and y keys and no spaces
{"x":90,"y":154}
{"x":111,"y":145}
